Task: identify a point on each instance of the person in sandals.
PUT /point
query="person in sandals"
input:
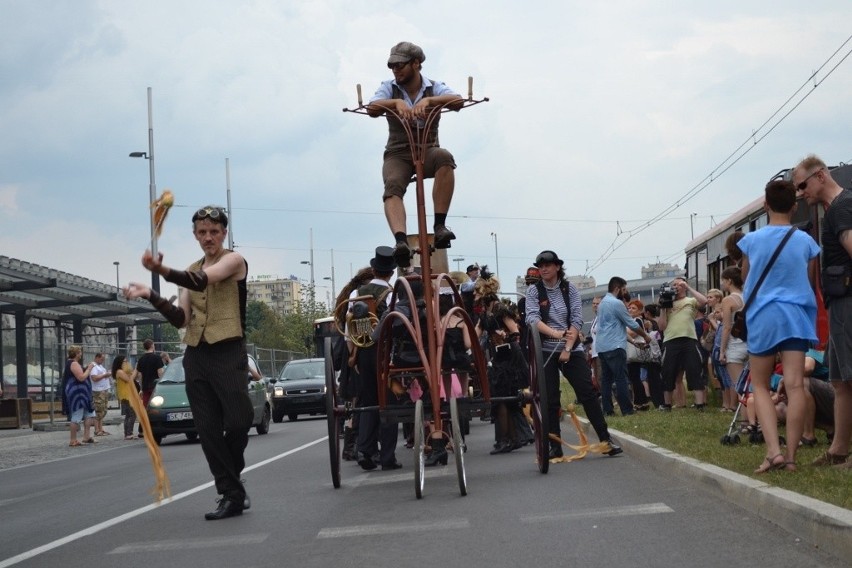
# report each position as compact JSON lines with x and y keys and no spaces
{"x":781,"y":318}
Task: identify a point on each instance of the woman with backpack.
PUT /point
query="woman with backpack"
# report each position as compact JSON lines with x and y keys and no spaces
{"x":554,"y":310}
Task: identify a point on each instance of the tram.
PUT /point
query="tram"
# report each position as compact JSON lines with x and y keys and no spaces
{"x":706,"y":256}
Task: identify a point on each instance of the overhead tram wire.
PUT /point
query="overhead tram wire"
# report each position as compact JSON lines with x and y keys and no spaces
{"x":458,"y":216}
{"x":724,"y":166}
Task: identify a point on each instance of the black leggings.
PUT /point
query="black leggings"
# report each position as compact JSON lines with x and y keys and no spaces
{"x":634,"y":373}
{"x":579,"y":376}
{"x":129,"y":417}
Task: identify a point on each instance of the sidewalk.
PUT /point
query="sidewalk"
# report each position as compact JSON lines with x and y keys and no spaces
{"x":46,"y":441}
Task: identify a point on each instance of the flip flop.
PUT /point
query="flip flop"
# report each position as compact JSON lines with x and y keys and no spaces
{"x":101,"y":433}
{"x":89,"y":441}
{"x":75,"y":443}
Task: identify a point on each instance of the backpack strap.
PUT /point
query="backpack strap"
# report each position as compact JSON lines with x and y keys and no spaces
{"x":566,"y":296}
{"x":544,"y":301}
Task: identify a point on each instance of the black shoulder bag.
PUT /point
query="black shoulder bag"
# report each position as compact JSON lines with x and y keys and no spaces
{"x":738,"y":327}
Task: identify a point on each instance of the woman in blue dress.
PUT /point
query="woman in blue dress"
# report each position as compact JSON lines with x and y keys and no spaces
{"x":781,"y":318}
{"x":78,"y":396}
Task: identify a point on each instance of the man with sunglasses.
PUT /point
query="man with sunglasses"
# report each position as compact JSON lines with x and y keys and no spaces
{"x":212,"y":308}
{"x":411,"y":96}
{"x":814,"y":182}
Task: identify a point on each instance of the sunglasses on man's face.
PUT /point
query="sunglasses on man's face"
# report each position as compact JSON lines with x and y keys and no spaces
{"x":804,"y":183}
{"x":397,"y":66}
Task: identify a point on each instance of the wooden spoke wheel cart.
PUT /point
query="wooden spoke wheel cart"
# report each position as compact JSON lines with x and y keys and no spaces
{"x":430,"y":410}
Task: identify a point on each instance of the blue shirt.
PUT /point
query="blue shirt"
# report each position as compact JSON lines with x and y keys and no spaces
{"x":613,"y":319}
{"x":785,"y":306}
{"x":385,"y":91}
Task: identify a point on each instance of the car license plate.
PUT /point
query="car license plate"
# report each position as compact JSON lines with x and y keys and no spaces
{"x":175,"y":416}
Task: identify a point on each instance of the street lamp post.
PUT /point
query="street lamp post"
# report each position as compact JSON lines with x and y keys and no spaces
{"x":152,"y":196}
{"x":117,"y":281}
{"x":333,"y":292}
{"x":311,"y":264}
{"x":230,"y":214}
{"x":496,"y":257}
{"x":333,"y":287}
{"x":313,"y":291}
{"x":457,"y":260}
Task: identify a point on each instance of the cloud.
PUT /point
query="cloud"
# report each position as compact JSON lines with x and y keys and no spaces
{"x":596,"y":123}
{"x":9,"y":199}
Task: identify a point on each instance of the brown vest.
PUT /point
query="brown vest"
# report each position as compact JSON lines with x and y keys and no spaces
{"x":397,"y":137}
{"x":218,"y":312}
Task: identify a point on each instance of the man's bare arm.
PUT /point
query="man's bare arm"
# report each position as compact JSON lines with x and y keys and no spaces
{"x":845,"y":239}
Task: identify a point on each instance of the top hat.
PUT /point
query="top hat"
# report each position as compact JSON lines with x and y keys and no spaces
{"x":383,"y":261}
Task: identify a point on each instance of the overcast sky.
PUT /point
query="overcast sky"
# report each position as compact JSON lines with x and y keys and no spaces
{"x":601,"y":115}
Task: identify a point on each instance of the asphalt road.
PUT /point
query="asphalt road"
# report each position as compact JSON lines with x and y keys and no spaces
{"x":92,"y":507}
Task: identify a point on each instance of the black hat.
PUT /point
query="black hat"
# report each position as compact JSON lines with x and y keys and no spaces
{"x":383,"y":261}
{"x":471,"y":268}
{"x":547,"y":256}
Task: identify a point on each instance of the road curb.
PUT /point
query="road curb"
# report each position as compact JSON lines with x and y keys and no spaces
{"x":62,"y":424}
{"x":821,"y":524}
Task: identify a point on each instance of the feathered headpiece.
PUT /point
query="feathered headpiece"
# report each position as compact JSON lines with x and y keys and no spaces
{"x":486,"y":284}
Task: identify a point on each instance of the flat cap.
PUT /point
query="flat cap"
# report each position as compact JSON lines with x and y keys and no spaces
{"x":405,"y":51}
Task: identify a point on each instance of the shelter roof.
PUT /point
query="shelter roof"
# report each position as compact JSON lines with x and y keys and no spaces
{"x":47,"y":293}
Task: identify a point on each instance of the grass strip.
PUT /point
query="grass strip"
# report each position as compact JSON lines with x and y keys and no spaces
{"x":698,"y":435}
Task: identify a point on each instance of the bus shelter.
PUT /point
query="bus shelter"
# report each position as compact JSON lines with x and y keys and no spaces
{"x":42,"y":309}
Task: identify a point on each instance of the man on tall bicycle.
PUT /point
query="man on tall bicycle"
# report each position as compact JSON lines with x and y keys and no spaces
{"x":411,"y":95}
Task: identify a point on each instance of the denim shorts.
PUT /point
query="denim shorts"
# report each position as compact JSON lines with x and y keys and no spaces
{"x":792,"y":344}
{"x":737,"y":352}
{"x":80,"y":414}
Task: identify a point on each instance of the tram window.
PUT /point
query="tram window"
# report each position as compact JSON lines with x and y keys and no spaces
{"x":701,"y":271}
{"x":692,"y":267}
{"x":760,"y":221}
{"x":714,"y":272}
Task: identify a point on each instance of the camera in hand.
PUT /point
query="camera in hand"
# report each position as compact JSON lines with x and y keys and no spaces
{"x":667,"y":295}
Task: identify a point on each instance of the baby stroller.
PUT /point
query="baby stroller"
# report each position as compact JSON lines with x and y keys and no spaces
{"x":742,"y":387}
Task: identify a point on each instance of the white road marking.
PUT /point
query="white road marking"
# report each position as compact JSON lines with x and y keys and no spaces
{"x":189,"y":544}
{"x":626,"y":511}
{"x":395,"y":528}
{"x":380,"y":479}
{"x":94,"y":529}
